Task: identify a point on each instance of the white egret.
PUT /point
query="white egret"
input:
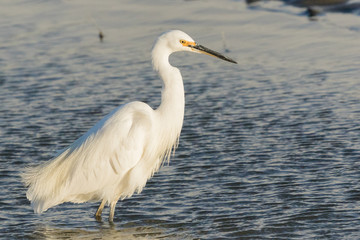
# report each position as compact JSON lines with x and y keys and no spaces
{"x":117,"y":156}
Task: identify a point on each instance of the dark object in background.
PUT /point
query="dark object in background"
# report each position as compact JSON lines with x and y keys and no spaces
{"x":305,"y":3}
{"x":316,"y":7}
{"x":342,"y":8}
{"x":312,"y":12}
{"x":310,"y":3}
{"x":101,"y":36}
{"x":252,"y":1}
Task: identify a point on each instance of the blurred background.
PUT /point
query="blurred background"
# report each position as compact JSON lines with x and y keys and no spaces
{"x":270,"y":147}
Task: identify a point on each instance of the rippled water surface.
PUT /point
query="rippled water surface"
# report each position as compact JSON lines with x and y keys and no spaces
{"x":270,"y":148}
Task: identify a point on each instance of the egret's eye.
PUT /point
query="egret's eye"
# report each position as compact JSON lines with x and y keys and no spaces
{"x":182,"y":42}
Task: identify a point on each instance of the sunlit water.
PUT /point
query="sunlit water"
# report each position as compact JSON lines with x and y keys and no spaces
{"x":270,"y":147}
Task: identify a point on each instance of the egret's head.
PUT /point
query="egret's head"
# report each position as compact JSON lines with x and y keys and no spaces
{"x":175,"y":41}
{"x":180,"y":41}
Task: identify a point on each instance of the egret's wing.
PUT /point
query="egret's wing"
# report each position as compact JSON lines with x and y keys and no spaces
{"x":117,"y":140}
{"x":114,"y":145}
{"x":99,"y":159}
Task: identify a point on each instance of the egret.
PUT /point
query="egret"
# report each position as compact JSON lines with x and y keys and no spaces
{"x":117,"y":156}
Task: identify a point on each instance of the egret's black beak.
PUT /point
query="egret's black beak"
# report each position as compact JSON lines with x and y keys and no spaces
{"x":205,"y":50}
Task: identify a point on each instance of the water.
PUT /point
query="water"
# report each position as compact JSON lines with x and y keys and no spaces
{"x":270,"y":147}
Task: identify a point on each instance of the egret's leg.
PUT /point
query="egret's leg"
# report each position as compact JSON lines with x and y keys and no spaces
{"x":100,"y":209}
{"x":112,"y":211}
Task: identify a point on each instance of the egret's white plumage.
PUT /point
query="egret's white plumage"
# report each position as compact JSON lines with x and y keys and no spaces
{"x":120,"y":153}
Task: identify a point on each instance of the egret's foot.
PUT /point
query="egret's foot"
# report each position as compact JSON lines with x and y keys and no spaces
{"x":98,"y":218}
{"x":99,"y":211}
{"x":112,"y":211}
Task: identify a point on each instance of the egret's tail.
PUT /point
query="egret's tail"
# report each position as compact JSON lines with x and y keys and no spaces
{"x":46,"y":184}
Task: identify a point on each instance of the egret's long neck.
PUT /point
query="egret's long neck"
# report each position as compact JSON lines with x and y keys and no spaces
{"x":172,"y":98}
{"x":172,"y":95}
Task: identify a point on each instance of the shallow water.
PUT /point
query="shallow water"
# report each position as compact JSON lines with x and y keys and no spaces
{"x":270,"y":147}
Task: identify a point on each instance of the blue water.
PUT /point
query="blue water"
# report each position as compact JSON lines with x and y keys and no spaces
{"x":270,"y":147}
